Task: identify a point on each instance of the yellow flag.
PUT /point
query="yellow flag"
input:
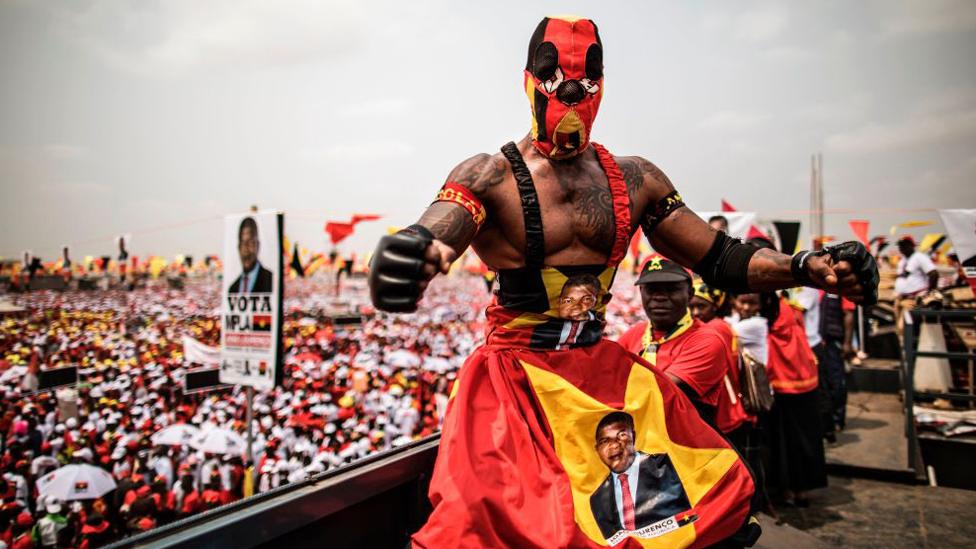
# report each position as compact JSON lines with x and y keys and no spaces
{"x":929,"y":240}
{"x":249,"y":481}
{"x":913,"y":224}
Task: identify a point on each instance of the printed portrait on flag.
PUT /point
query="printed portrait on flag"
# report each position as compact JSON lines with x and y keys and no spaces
{"x":682,"y":478}
{"x":254,"y":277}
{"x":642,"y":492}
{"x":579,"y":296}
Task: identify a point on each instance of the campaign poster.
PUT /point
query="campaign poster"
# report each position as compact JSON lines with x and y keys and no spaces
{"x":250,"y":337}
{"x":961,"y":226}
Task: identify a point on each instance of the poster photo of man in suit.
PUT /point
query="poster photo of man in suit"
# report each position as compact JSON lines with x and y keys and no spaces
{"x":254,"y":278}
{"x":642,"y":493}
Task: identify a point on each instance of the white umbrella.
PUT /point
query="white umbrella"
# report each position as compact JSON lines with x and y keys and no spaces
{"x":174,"y":435}
{"x":219,"y":441}
{"x":403,"y":358}
{"x":76,"y":481}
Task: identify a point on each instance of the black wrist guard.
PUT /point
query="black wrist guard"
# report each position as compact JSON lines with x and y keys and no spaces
{"x":397,"y":268}
{"x":798,"y":266}
{"x":726,"y":265}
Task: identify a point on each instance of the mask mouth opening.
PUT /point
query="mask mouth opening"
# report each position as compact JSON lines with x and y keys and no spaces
{"x":568,"y":135}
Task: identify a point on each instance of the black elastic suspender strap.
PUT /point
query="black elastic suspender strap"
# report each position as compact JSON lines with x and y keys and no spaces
{"x":535,"y":250}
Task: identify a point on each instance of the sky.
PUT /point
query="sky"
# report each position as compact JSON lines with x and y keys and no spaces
{"x":155,"y":119}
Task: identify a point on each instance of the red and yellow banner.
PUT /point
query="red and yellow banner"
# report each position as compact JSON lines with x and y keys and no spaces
{"x":533,"y":441}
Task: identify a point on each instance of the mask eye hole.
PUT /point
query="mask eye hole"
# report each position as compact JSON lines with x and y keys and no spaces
{"x":594,"y":62}
{"x":590,"y":86}
{"x":554,"y":82}
{"x":546,"y":61}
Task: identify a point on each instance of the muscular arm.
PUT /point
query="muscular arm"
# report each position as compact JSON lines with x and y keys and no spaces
{"x":452,"y":224}
{"x":687,"y":239}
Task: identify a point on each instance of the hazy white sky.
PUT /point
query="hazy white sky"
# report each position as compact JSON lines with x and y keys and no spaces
{"x":155,"y":118}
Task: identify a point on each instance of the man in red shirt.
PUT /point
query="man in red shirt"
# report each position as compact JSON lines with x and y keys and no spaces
{"x":688,"y":352}
{"x":710,"y":306}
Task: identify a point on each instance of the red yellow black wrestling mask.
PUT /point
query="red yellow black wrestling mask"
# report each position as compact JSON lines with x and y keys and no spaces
{"x":564,"y":82}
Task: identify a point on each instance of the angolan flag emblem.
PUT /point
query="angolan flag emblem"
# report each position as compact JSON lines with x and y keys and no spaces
{"x":261,"y":323}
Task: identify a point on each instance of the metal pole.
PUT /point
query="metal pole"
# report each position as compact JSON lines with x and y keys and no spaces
{"x":861,"y":345}
{"x":250,"y":426}
{"x":908,"y":341}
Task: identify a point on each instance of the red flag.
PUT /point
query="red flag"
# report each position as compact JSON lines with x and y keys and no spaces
{"x":726,"y":207}
{"x":860,"y":228}
{"x":754,"y":232}
{"x":356,"y":218}
{"x":553,"y":470}
{"x":338,"y":231}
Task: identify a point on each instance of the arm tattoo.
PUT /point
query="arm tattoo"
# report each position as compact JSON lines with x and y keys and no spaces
{"x":479,"y":173}
{"x":780,"y":260}
{"x":450,"y":223}
{"x":656,"y":174}
{"x":660,"y":197}
{"x":770,"y":269}
{"x":633,"y":176}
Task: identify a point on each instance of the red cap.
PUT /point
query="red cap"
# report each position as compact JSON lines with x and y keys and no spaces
{"x":143,"y":491}
{"x":25,"y":519}
{"x":907,"y":238}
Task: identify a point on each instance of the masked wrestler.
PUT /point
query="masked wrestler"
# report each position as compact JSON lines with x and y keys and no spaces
{"x":553,"y":206}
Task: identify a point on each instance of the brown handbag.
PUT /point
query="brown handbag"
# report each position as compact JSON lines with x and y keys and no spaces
{"x":757,"y":396}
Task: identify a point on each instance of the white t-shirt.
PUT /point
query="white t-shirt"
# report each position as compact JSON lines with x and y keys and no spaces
{"x":809,"y":299}
{"x":752,"y":334}
{"x":917,"y":280}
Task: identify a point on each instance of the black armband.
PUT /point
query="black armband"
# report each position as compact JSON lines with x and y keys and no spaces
{"x":726,"y":265}
{"x":671,"y":202}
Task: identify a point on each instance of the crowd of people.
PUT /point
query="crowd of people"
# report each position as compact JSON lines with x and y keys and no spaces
{"x":354,"y":389}
{"x":349,"y":390}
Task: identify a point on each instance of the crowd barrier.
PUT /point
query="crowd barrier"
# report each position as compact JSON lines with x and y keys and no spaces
{"x":375,"y":502}
{"x":942,"y":460}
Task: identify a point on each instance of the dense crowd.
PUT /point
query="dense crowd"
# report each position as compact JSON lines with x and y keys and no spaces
{"x":349,"y":390}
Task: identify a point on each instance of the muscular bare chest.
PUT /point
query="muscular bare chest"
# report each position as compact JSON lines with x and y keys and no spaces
{"x":577,"y":213}
{"x":577,"y":200}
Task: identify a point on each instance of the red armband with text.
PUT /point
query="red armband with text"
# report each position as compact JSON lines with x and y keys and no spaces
{"x":453,"y":192}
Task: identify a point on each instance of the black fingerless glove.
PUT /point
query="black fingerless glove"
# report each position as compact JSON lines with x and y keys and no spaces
{"x":862,"y":264}
{"x":397,"y":269}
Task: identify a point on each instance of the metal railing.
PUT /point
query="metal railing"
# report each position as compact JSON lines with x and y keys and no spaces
{"x":377,"y":501}
{"x":911,"y":354}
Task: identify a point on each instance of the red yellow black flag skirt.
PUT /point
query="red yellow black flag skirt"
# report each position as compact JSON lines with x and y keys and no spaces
{"x":518,"y":465}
